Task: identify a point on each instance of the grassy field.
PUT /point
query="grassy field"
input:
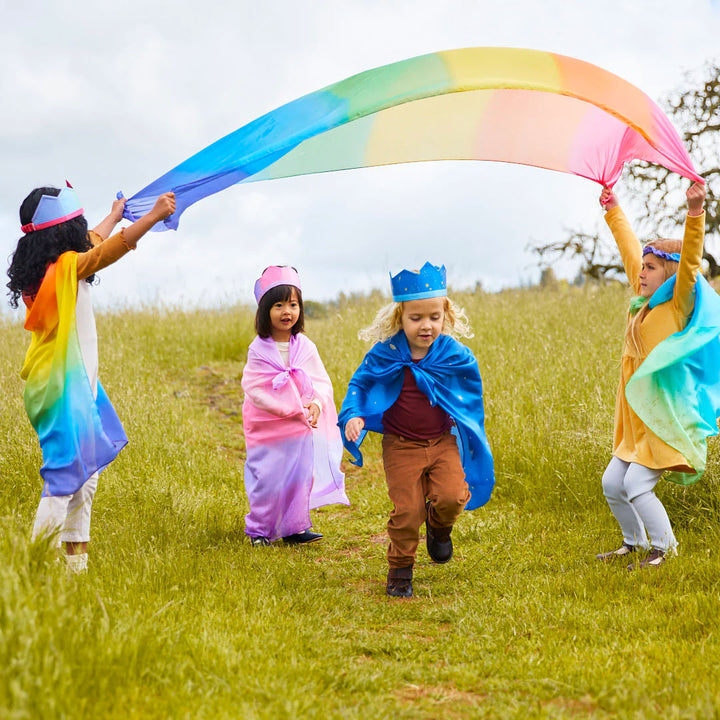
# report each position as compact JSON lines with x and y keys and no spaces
{"x":179,"y":617}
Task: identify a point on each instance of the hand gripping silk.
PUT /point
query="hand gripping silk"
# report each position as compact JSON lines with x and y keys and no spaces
{"x":449,"y":376}
{"x":291,"y":468}
{"x":676,"y":390}
{"x":79,"y":433}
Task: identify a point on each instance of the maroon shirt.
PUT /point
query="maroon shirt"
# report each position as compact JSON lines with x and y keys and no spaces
{"x":412,"y":415}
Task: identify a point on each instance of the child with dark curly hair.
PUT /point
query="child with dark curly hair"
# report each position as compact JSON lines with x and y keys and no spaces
{"x":52,"y":269}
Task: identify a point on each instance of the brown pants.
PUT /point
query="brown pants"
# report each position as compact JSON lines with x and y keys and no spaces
{"x":418,"y":471}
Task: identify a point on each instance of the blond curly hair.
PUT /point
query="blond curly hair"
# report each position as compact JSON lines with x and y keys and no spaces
{"x":388,"y":322}
{"x":670,"y":267}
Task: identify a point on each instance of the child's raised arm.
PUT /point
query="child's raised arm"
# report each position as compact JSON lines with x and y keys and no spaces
{"x":696,"y":198}
{"x":627,"y":242}
{"x":109,"y":251}
{"x":106,"y":226}
{"x":608,"y":199}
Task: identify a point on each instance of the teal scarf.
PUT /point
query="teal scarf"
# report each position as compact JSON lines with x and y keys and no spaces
{"x":636,"y":304}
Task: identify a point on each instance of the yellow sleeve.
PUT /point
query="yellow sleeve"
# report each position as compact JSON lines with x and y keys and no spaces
{"x":690,"y":264}
{"x":628,"y":245}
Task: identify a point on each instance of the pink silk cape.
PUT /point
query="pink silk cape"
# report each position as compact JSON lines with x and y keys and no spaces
{"x":291,"y":467}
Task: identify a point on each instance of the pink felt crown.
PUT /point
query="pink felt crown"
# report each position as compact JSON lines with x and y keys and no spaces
{"x":276,"y":275}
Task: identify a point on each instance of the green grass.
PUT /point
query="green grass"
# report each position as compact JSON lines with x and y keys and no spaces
{"x":179,"y":617}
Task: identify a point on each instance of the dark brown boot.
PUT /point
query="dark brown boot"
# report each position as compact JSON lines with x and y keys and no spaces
{"x":399,"y":582}
{"x":438,"y":540}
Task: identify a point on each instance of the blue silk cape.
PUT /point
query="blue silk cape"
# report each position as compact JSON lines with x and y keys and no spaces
{"x":449,"y":376}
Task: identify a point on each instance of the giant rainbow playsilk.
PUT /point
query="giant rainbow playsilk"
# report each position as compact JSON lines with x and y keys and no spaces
{"x":504,"y":104}
{"x":79,"y":434}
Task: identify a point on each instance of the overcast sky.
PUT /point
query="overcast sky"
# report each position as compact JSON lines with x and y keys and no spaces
{"x":112,"y":95}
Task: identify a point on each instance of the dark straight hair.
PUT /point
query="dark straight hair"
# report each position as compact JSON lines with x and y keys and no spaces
{"x":280,"y":293}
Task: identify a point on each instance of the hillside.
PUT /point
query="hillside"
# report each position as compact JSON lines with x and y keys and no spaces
{"x":179,"y":616}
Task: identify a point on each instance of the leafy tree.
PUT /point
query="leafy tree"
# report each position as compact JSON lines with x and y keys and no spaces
{"x":658,"y":193}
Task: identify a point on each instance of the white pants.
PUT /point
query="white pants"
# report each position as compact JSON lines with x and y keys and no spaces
{"x":67,"y":515}
{"x":628,"y":488}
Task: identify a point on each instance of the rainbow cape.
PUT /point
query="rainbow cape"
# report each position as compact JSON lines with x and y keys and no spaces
{"x":79,"y":433}
{"x":291,"y":467}
{"x":676,"y":390}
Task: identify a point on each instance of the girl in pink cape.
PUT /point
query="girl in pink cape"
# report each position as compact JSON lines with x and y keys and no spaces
{"x":292,"y":440}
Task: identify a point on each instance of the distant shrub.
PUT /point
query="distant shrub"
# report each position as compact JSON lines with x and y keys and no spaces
{"x":315,"y":310}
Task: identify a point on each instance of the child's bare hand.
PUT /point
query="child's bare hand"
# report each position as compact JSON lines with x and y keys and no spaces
{"x":608,"y":199}
{"x":696,"y":198}
{"x":313,"y":413}
{"x":116,"y":212}
{"x":353,"y":428}
{"x":164,"y":206}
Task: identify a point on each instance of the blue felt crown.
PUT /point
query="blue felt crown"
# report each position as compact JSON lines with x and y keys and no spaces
{"x":412,"y":285}
{"x":54,"y":209}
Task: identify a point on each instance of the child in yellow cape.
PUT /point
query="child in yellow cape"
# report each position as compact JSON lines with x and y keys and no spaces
{"x":668,"y":399}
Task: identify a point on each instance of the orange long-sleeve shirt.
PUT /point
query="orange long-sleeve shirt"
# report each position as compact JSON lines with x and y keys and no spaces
{"x":102,"y":254}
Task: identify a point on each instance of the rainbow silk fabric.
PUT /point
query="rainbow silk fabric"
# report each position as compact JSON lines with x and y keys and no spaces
{"x":676,"y":390}
{"x":485,"y":103}
{"x":79,"y":433}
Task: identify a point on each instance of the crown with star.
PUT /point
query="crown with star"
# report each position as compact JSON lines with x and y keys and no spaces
{"x":429,"y":282}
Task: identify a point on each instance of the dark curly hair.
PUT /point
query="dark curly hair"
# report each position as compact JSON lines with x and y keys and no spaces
{"x":36,"y":250}
{"x":280,"y":293}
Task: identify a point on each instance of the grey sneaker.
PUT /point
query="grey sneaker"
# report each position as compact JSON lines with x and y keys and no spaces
{"x":654,"y":559}
{"x":622,"y":551}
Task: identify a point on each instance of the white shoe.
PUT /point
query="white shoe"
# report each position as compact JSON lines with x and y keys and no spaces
{"x":77,"y":563}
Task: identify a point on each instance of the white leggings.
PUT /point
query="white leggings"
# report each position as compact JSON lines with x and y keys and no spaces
{"x":67,"y":515}
{"x":628,"y":488}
